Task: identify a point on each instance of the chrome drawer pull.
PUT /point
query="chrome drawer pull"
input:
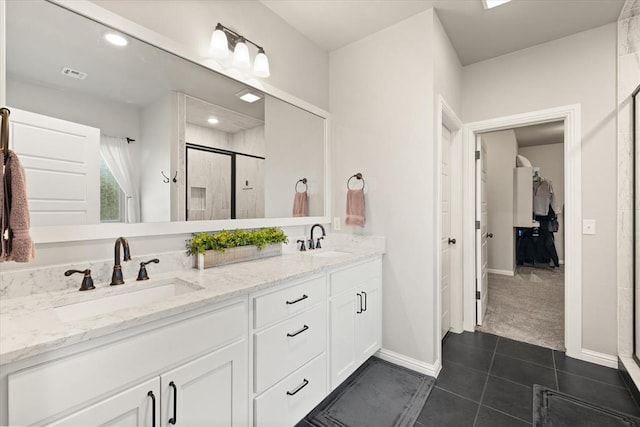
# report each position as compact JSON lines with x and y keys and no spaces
{"x":303,"y":297}
{"x":304,"y":328}
{"x":300,"y":387}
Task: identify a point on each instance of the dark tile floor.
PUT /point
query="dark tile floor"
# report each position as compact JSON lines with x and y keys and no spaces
{"x":487,"y":381}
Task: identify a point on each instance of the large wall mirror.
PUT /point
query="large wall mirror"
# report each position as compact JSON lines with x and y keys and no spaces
{"x":134,"y":134}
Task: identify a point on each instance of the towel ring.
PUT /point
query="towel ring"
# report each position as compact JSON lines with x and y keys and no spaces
{"x":357,"y":176}
{"x":304,"y":181}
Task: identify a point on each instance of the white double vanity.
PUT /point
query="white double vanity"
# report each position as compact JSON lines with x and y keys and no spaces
{"x":257,"y":343}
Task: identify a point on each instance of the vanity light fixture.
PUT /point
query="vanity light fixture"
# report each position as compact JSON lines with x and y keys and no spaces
{"x":116,"y":39}
{"x":489,"y":4}
{"x":213,"y":121}
{"x":248,"y":96}
{"x":223,"y":40}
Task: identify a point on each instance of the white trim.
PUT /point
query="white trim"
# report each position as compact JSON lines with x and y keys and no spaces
{"x":108,"y":231}
{"x":445,"y":116}
{"x":571,"y":115}
{"x":599,"y":358}
{"x":432,"y":370}
{"x":501,"y":272}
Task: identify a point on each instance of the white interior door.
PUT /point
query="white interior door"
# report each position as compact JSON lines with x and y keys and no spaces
{"x":446,"y":239}
{"x":482,"y":280}
{"x":61,"y":160}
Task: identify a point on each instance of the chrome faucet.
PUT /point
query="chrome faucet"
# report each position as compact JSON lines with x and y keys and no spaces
{"x":116,"y":277}
{"x":317,"y":244}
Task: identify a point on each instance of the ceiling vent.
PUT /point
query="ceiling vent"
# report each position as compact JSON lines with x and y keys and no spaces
{"x":70,"y":72}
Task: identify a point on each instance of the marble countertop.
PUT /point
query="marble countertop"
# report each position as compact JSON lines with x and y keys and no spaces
{"x":30,"y":325}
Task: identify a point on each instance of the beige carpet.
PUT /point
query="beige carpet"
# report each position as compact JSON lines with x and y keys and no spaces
{"x":528,"y":307}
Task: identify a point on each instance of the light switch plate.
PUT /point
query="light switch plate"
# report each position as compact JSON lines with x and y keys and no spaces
{"x":336,"y":224}
{"x":588,"y":226}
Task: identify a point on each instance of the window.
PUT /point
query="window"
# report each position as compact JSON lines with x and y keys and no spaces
{"x":111,"y":196}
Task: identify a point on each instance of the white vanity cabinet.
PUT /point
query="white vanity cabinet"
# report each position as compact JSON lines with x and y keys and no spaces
{"x":289,"y":348}
{"x":201,"y":356}
{"x":355,"y":310}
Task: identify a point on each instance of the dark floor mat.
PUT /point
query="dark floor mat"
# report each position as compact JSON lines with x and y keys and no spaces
{"x":552,"y":408}
{"x":378,"y":394}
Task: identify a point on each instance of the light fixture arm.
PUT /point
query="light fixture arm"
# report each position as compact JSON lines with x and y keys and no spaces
{"x":235,"y":38}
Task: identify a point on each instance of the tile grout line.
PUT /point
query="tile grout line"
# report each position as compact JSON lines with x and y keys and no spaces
{"x":493,"y":356}
{"x":504,"y":413}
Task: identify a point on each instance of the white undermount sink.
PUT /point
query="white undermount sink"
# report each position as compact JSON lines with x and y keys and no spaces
{"x":328,"y":254}
{"x":141,"y":293}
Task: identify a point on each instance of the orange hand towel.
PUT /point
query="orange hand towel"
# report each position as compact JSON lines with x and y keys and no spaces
{"x":355,"y":208}
{"x":300,"y":204}
{"x":16,"y":243}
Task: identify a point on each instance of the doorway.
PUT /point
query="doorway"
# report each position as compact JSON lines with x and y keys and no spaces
{"x":523,"y":234}
{"x":570,"y":117}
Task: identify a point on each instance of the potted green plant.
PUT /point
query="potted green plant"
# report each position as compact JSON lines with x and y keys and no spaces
{"x":230,"y":246}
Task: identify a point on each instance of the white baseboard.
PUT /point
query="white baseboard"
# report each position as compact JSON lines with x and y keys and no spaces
{"x":410,"y":363}
{"x":501,"y":272}
{"x":561,"y":261}
{"x":598,"y":358}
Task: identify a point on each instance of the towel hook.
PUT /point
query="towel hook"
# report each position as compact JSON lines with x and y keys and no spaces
{"x":304,"y":181}
{"x":166,"y":179}
{"x":357,"y":176}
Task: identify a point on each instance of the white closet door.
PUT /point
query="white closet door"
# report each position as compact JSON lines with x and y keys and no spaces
{"x":482,"y":278}
{"x":62,"y":167}
{"x":445,"y":244}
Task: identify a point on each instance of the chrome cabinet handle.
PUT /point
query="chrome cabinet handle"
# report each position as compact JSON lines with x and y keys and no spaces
{"x":365,"y":301}
{"x":304,"y":328}
{"x":153,"y":408}
{"x":300,"y":387}
{"x":303,"y":297}
{"x":174,"y":419}
{"x":360,"y":300}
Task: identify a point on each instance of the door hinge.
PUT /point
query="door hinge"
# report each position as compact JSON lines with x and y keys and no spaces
{"x":477,"y":225}
{"x":477,"y":155}
{"x":477,"y":294}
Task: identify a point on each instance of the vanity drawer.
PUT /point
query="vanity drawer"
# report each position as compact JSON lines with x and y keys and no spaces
{"x":288,"y":345}
{"x":290,"y":400}
{"x":350,"y":277}
{"x":277,"y":305}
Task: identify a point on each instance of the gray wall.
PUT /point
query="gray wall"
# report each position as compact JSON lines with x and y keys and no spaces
{"x":383,"y":115}
{"x":576,"y":69}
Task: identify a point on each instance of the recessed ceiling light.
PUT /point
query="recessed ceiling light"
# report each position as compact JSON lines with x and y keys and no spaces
{"x":116,"y":39}
{"x":249,"y":96}
{"x":489,"y":4}
{"x":213,"y":121}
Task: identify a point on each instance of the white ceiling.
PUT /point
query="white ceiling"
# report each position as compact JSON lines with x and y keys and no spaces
{"x":475,"y":33}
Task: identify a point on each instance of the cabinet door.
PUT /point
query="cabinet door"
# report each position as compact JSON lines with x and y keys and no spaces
{"x":210,"y":391}
{"x":133,"y":407}
{"x":368,"y":326}
{"x":344,"y":356}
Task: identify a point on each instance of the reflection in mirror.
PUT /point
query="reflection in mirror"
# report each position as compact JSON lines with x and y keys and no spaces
{"x":102,"y":128}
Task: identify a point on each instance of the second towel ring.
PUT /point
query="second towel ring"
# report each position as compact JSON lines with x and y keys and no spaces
{"x":357,"y":176}
{"x":304,"y":181}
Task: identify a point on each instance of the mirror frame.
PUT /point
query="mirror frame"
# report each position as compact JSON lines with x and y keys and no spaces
{"x":111,"y":230}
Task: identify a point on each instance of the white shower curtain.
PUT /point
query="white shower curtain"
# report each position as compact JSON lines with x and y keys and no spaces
{"x":120,"y":158}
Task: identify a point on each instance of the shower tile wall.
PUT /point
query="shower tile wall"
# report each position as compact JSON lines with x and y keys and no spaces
{"x":628,"y":72}
{"x":250,"y":190}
